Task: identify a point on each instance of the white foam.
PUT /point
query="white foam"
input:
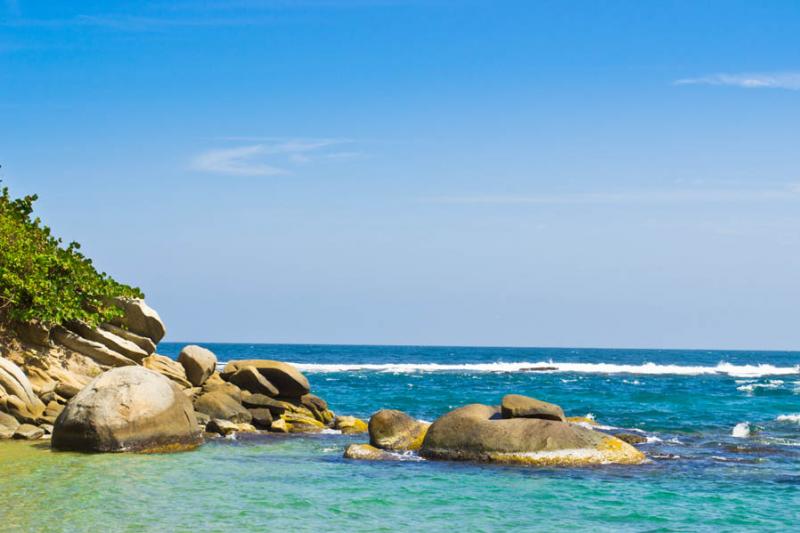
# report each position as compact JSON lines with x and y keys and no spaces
{"x":653,"y":439}
{"x":653,"y":369}
{"x":741,"y":430}
{"x":772,"y":384}
{"x":793,"y":418}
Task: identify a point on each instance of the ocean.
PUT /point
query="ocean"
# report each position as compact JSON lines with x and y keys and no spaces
{"x":722,"y":429}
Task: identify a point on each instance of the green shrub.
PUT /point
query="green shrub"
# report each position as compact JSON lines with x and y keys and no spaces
{"x":43,"y":280}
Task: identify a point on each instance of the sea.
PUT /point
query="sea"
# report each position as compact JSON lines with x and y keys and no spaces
{"x":722,"y":433}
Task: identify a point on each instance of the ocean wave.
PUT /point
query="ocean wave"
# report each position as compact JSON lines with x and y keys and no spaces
{"x":794,"y":418}
{"x":741,"y":430}
{"x":653,"y":369}
{"x":773,"y":384}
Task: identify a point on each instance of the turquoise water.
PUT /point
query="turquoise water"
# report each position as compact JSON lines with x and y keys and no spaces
{"x":699,"y":477}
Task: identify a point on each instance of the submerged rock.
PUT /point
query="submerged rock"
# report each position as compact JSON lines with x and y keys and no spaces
{"x":290,"y":382}
{"x":631,"y":438}
{"x":198,"y":362}
{"x":390,"y":429}
{"x":518,"y":406}
{"x":127,"y":409}
{"x":367,"y":452}
{"x":476,"y":433}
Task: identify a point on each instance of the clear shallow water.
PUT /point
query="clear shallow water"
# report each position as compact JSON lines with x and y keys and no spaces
{"x":700,"y":476}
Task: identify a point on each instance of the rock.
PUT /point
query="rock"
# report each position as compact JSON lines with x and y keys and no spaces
{"x":167,"y":367}
{"x":251,"y":380}
{"x":198,"y":362}
{"x":28,"y":432}
{"x":246,"y":428}
{"x":33,"y":332}
{"x":91,"y":349}
{"x":350,"y":425}
{"x":631,"y":438}
{"x":216,"y":384}
{"x":518,"y":406}
{"x":262,"y":418}
{"x":67,"y":390}
{"x":127,"y":409}
{"x":394,"y":430}
{"x":220,"y":405}
{"x":8,"y":425}
{"x":291,"y":383}
{"x":299,"y":423}
{"x":476,"y":432}
{"x":202,"y":419}
{"x":366,"y":452}
{"x":111,"y":341}
{"x":139,"y":318}
{"x":142,"y":342}
{"x":47,"y":428}
{"x":222,"y":427}
{"x":16,"y":393}
{"x":276,"y":407}
{"x":280,"y":426}
{"x":318,"y":408}
{"x":582,"y":420}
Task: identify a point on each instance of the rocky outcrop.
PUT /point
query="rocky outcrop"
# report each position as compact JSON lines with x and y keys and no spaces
{"x":94,"y":350}
{"x":127,"y":409}
{"x":477,"y":432}
{"x":198,"y":362}
{"x":518,"y":406}
{"x":139,"y":318}
{"x":289,"y":381}
{"x":110,"y":340}
{"x":16,"y":393}
{"x":147,"y":345}
{"x":394,"y":430}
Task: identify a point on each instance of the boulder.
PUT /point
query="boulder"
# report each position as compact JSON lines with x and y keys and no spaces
{"x":280,"y":426}
{"x":28,"y":432}
{"x":198,"y":362}
{"x":313,"y":405}
{"x":220,"y":405}
{"x":91,"y":349}
{"x":111,"y":341}
{"x":394,"y":430}
{"x":518,"y":406}
{"x":221,"y":427}
{"x":142,"y":342}
{"x":276,"y":407}
{"x":8,"y":425}
{"x":262,"y":418}
{"x":476,"y":432}
{"x":251,"y":380}
{"x":367,"y":452}
{"x":16,"y":393}
{"x":216,"y":384}
{"x":350,"y":425}
{"x":299,"y":423}
{"x":167,"y":367}
{"x":127,"y":409}
{"x":291,"y":383}
{"x":139,"y":318}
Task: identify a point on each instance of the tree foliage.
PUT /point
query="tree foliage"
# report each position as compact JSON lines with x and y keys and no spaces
{"x":43,"y":280}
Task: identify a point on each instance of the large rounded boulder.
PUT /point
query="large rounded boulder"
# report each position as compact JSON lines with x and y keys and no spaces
{"x":290,"y":382}
{"x":198,"y":362}
{"x":127,"y":409}
{"x":478,"y":432}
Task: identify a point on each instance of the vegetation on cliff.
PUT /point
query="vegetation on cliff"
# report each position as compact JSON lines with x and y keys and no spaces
{"x":43,"y":280}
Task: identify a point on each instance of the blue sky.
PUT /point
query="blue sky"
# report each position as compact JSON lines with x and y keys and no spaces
{"x":620,"y":174}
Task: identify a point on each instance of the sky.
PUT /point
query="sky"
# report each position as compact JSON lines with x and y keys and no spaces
{"x":506,"y":173}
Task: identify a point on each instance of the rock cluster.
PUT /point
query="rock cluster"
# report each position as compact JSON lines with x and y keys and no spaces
{"x":521,"y":430}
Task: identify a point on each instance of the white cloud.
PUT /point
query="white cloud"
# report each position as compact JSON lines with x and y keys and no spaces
{"x":789,"y":192}
{"x":241,"y":161}
{"x":777,"y":80}
{"x":249,"y":160}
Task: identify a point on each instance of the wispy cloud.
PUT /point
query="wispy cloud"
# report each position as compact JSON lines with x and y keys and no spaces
{"x":270,"y":157}
{"x":777,"y":80}
{"x":790,"y":192}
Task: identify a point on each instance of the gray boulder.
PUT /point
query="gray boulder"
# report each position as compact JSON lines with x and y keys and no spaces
{"x":220,"y":405}
{"x":127,"y":409}
{"x":198,"y":362}
{"x":477,"y":433}
{"x":251,"y":380}
{"x":139,"y":318}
